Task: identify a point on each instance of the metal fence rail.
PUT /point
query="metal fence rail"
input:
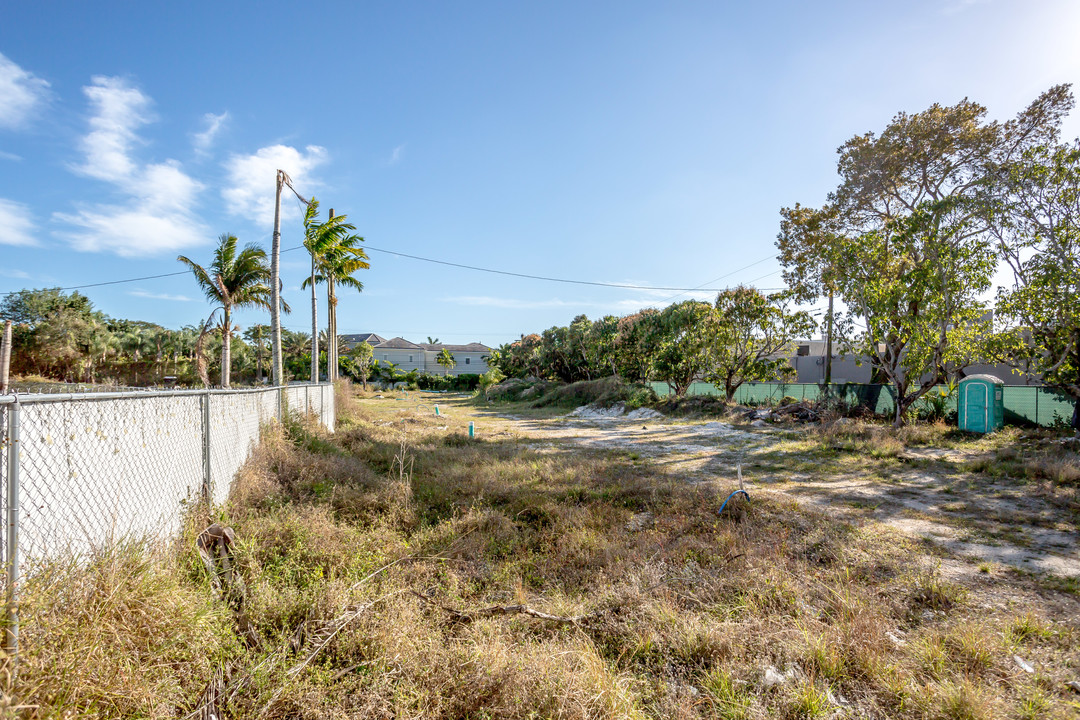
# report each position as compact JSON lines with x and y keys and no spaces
{"x":1024,"y":405}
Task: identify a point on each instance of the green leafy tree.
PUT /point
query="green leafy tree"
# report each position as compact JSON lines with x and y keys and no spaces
{"x":233,"y":280}
{"x":680,"y":336}
{"x":363,"y":358}
{"x":805,"y":239}
{"x":1038,"y":234}
{"x":910,"y":235}
{"x":521,"y":358}
{"x":600,"y":345}
{"x":446,"y":360}
{"x":634,"y":351}
{"x":54,"y":333}
{"x":749,"y":333}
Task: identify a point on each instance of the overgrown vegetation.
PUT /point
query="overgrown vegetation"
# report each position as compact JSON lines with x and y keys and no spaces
{"x":602,"y":393}
{"x":61,"y":336}
{"x":400,"y":518}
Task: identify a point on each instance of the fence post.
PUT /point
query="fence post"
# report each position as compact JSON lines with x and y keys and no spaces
{"x":206,"y":447}
{"x":11,"y":630}
{"x":1037,"y":393}
{"x":5,"y":357}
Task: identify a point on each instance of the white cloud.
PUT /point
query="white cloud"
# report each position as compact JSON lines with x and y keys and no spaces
{"x":953,"y":7}
{"x":159,"y":296}
{"x":16,"y":225}
{"x":119,"y":110}
{"x":250,"y":186}
{"x":21,"y":93}
{"x":158,"y":215}
{"x":395,"y":156}
{"x":17,"y":274}
{"x":205,"y":140}
{"x":131,"y":231}
{"x":10,"y":156}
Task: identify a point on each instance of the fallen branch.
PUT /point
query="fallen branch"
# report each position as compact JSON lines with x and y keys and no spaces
{"x":322,"y":638}
{"x":457,"y":616}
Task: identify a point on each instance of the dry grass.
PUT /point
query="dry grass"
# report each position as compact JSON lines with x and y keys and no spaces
{"x":693,"y":608}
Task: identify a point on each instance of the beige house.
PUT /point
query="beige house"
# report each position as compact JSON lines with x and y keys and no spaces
{"x":470,"y":358}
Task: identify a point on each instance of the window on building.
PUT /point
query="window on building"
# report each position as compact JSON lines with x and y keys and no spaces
{"x":466,"y":361}
{"x":410,"y":358}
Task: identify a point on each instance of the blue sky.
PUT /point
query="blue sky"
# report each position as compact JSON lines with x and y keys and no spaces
{"x":626,"y":142}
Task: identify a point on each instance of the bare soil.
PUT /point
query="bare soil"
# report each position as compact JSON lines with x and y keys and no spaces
{"x":922,"y":492}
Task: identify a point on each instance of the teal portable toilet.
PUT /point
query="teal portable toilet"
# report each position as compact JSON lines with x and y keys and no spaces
{"x":980,"y":407}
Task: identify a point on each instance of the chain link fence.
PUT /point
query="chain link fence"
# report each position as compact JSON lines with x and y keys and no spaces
{"x":92,"y":469}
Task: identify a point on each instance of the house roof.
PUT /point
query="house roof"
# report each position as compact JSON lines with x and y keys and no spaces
{"x":397,"y":343}
{"x":370,"y":338}
{"x":471,"y":347}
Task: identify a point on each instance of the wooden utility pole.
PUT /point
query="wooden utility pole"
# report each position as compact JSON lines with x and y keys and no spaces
{"x":275,"y":279}
{"x":275,"y":287}
{"x":5,"y":358}
{"x":828,"y":345}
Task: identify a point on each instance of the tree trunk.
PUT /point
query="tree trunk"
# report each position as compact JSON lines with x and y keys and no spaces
{"x":226,"y":337}
{"x":258,"y":355}
{"x":314,"y":326}
{"x":331,"y":340}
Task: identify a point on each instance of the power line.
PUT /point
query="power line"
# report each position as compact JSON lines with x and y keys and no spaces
{"x":708,"y":282}
{"x":624,"y":286}
{"x":111,"y":282}
{"x":541,"y":277}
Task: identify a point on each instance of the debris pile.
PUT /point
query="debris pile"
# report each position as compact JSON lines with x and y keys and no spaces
{"x":801,"y":411}
{"x":616,"y":411}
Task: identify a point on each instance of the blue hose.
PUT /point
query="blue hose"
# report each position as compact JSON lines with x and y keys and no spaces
{"x":721,"y":511}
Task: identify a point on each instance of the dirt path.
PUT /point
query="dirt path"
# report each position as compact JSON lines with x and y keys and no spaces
{"x":972,"y":516}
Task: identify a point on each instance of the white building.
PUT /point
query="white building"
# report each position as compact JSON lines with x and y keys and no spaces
{"x":407,"y":356}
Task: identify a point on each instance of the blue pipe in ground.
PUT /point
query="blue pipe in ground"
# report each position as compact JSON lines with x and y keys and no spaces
{"x":721,"y":510}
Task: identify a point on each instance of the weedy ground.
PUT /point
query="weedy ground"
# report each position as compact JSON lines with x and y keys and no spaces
{"x":399,"y":520}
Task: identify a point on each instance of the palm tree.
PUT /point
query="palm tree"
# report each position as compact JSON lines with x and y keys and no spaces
{"x":233,"y":280}
{"x":335,"y":257}
{"x":256,"y":335}
{"x":447,"y":360}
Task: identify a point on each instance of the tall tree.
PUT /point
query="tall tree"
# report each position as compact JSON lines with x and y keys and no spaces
{"x":1038,"y":234}
{"x":258,"y":336}
{"x":336,"y":258}
{"x":911,"y":235}
{"x":363,"y":358}
{"x":233,"y":280}
{"x":748,"y":335}
{"x":679,"y":336}
{"x":633,"y":348}
{"x":806,"y":235}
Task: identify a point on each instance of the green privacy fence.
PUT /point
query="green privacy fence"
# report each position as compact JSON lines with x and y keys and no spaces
{"x":1024,"y":405}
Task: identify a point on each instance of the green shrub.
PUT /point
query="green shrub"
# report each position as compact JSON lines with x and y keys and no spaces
{"x":604,"y":392}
